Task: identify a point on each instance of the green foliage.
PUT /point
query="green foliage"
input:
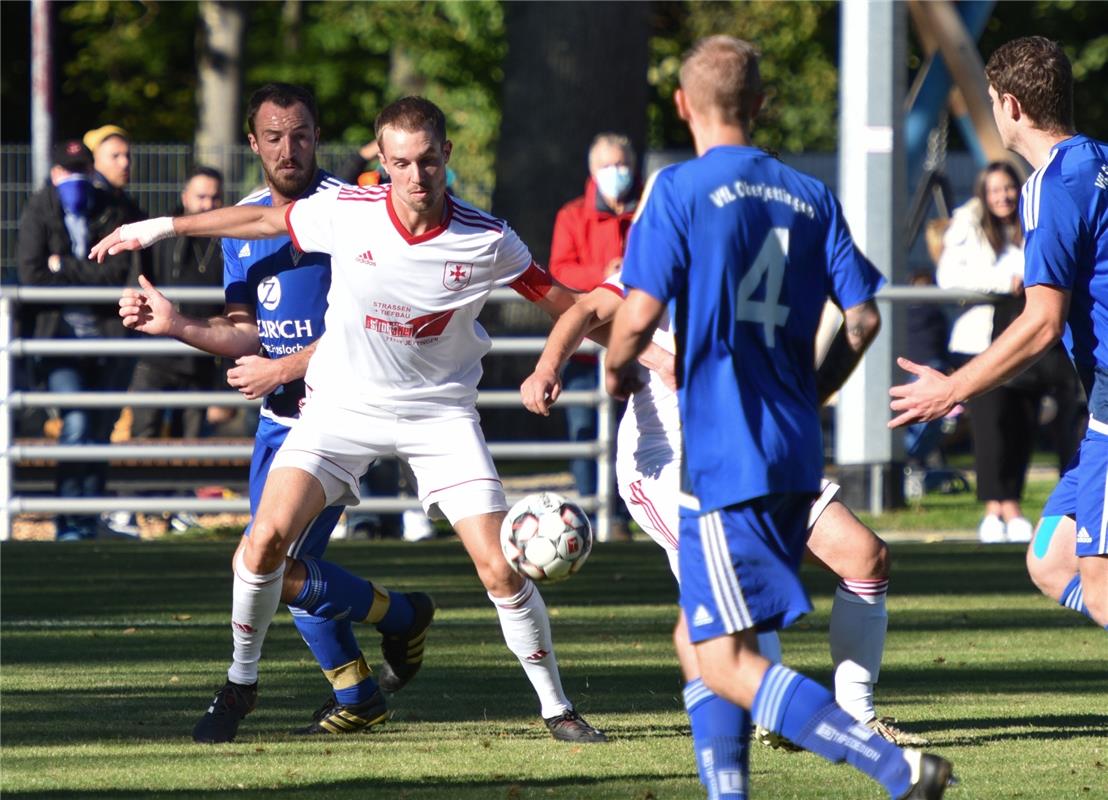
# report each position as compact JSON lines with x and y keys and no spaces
{"x":131,"y":64}
{"x":798,"y":44}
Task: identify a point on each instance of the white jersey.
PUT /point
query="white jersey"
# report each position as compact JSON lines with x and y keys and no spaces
{"x":401,"y":324}
{"x":649,"y":434}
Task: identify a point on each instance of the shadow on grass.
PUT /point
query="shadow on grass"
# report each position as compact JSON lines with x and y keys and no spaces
{"x":633,"y":787}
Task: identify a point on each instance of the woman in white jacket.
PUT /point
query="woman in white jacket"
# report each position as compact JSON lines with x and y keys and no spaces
{"x":983,"y":251}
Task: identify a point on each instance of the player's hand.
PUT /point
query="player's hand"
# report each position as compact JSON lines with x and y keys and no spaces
{"x":255,"y":376}
{"x":622,"y":383}
{"x":929,"y":397}
{"x":540,"y":391}
{"x":133,"y":236}
{"x":146,"y":309}
{"x":662,"y":363}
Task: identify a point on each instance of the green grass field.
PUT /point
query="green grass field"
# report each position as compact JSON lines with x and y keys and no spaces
{"x":111,"y":650}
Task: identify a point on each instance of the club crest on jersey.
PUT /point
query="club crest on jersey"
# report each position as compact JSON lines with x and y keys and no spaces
{"x":455,"y":275}
{"x":294,"y":254}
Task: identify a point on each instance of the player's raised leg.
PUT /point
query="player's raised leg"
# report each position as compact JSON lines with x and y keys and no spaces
{"x":291,"y":499}
{"x":735,"y":575}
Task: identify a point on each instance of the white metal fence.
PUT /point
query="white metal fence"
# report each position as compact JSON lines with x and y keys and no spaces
{"x":12,"y":452}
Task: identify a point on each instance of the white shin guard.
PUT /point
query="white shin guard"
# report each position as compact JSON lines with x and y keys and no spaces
{"x":526,"y":627}
{"x":254,"y":602}
{"x":859,"y":620}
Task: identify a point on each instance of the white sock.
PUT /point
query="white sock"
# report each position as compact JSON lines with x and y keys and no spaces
{"x":254,"y":602}
{"x":526,"y":627}
{"x":769,"y":645}
{"x":859,"y":619}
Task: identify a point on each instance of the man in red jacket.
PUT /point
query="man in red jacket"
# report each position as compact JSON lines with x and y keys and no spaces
{"x":590,"y":233}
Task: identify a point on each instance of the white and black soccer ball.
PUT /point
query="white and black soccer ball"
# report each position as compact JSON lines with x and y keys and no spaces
{"x":546,"y":537}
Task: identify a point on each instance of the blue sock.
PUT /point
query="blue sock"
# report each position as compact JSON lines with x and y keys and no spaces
{"x":1073,"y":596}
{"x":721,"y":738}
{"x":332,"y":592}
{"x":333,"y":644}
{"x":801,"y":710}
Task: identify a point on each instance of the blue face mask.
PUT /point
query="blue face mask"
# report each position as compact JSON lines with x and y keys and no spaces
{"x":614,"y":181}
{"x":75,"y":192}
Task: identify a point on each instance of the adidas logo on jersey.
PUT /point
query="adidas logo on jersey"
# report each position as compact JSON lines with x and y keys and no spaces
{"x":702,"y":617}
{"x":244,"y":251}
{"x":366,"y":258}
{"x":1083,"y":536}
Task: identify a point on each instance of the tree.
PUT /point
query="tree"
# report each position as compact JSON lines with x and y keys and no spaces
{"x":572,"y":70}
{"x":219,"y":71}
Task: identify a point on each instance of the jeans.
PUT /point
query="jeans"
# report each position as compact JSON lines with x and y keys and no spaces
{"x":80,"y":426}
{"x":581,"y":422}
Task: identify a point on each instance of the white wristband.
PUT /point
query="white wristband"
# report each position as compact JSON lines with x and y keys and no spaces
{"x":148,"y":231}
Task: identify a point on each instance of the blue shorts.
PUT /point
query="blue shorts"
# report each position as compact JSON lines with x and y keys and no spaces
{"x":1081,"y":494}
{"x":267,"y":441}
{"x":739,"y":566}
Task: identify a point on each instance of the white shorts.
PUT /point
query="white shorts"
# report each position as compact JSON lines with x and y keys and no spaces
{"x":652,"y":501}
{"x":445,"y":450}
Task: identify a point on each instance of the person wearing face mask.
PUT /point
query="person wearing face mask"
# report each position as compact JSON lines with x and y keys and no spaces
{"x":983,"y":251}
{"x":60,"y":222}
{"x":590,"y":234}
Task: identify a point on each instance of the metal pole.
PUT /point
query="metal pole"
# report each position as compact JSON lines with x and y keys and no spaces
{"x":606,"y":445}
{"x":42,"y":90}
{"x":873,"y":190}
{"x":5,"y":419}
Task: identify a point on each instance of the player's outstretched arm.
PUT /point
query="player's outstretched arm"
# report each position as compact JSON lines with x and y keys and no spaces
{"x":632,"y":328}
{"x":540,"y":390}
{"x":1030,"y":335}
{"x":239,"y":222}
{"x":859,"y":328}
{"x":234,"y":333}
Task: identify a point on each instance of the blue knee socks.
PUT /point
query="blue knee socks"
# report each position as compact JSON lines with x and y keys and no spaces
{"x":801,"y":710}
{"x":721,"y":736}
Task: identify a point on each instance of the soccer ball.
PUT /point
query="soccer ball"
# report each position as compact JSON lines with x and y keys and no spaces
{"x":546,"y":537}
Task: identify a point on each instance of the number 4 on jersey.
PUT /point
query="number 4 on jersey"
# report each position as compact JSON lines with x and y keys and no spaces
{"x":770,"y":263}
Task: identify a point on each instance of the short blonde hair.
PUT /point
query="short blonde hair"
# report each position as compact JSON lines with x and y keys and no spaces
{"x":720,"y":73}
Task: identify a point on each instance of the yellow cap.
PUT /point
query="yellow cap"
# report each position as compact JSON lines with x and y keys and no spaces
{"x":96,"y":136}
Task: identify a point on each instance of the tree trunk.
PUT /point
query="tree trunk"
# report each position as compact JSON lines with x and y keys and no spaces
{"x":573,"y":70}
{"x":219,"y":85}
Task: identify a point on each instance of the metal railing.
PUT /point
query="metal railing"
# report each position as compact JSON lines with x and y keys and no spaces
{"x":12,"y":452}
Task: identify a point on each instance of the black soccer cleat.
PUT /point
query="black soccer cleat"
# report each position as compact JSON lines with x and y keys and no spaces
{"x":570,"y":727}
{"x":221,"y":721}
{"x":935,"y":774}
{"x":403,"y":652}
{"x":335,"y":717}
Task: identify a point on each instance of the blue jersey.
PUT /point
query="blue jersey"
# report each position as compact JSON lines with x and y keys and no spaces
{"x":748,"y":250}
{"x":1064,"y":210}
{"x":288,"y":291}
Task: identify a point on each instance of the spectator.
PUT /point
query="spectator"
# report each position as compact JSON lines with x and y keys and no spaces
{"x":111,"y":150}
{"x":983,"y":251}
{"x":188,"y":261}
{"x":59,"y":224}
{"x":590,"y":234}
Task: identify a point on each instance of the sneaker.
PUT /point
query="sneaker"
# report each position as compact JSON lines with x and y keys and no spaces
{"x":570,"y":727}
{"x":221,"y":721}
{"x":417,"y":527}
{"x":183,"y":521}
{"x":118,"y":525}
{"x":991,"y":530}
{"x":884,"y":727}
{"x":1019,"y":530}
{"x":335,"y":717}
{"x":765,"y":736}
{"x":932,"y":773}
{"x":404,"y":652}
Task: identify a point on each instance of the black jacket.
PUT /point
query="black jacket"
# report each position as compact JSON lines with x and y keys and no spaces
{"x":42,"y":233}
